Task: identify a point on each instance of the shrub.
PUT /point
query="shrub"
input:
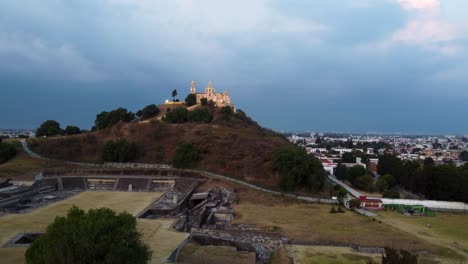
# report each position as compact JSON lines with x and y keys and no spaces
{"x":191,"y":99}
{"x":72,"y":130}
{"x":7,"y":152}
{"x":354,"y":203}
{"x":178,"y":115}
{"x":149,"y":111}
{"x":204,"y":101}
{"x":185,"y":156}
{"x":96,"y":236}
{"x":119,"y":151}
{"x":392,"y":193}
{"x":393,"y":256}
{"x":201,"y":115}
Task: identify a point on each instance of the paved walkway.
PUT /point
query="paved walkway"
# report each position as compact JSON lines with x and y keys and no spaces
{"x":26,"y":149}
{"x":342,"y":184}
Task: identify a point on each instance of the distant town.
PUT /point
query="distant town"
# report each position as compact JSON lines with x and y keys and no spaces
{"x":329,"y":147}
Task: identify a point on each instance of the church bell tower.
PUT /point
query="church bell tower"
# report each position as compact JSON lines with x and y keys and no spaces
{"x":192,"y":88}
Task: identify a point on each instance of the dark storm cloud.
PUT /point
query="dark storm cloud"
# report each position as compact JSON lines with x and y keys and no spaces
{"x":320,"y":65}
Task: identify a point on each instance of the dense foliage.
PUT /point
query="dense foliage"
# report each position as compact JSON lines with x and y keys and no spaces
{"x":191,"y":99}
{"x":438,"y":182}
{"x":119,"y":151}
{"x":356,"y":175}
{"x":108,"y":119}
{"x":298,"y":169}
{"x":7,"y":151}
{"x":182,"y":115}
{"x":49,"y":128}
{"x":204,"y":101}
{"x":96,"y":236}
{"x":72,"y":130}
{"x":178,"y":115}
{"x":149,"y":111}
{"x":348,"y":157}
{"x":185,"y":156}
{"x":200,"y":115}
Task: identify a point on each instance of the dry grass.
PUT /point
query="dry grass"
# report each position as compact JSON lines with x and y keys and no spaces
{"x":160,"y":237}
{"x":447,"y":229}
{"x":156,"y":233}
{"x":197,"y":254}
{"x":330,"y":255}
{"x":233,"y":148}
{"x":313,"y":223}
{"x":24,"y":167}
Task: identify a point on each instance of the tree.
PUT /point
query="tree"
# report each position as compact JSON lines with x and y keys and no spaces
{"x":341,"y":171}
{"x":348,"y":157}
{"x":464,"y":155}
{"x":96,"y":236}
{"x":385,"y":182}
{"x":390,"y":164}
{"x":119,"y":151}
{"x":149,"y":111}
{"x":72,"y":130}
{"x":200,"y":115}
{"x":49,"y":128}
{"x":365,"y":182}
{"x":191,"y":99}
{"x":185,"y":156}
{"x":204,"y":101}
{"x":318,"y":141}
{"x":108,"y":119}
{"x":298,"y":169}
{"x":174,"y":94}
{"x":178,"y":115}
{"x":355,"y":172}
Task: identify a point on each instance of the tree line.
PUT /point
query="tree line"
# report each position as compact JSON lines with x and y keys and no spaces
{"x":436,"y":182}
{"x":52,"y":128}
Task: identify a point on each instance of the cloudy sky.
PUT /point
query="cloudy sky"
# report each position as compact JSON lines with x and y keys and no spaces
{"x":337,"y":65}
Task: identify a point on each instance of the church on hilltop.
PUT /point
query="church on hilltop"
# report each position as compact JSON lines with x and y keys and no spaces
{"x":219,"y":99}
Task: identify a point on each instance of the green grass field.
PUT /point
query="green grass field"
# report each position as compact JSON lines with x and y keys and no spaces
{"x":156,"y":233}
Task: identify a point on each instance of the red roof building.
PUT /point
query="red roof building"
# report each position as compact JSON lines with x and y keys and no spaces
{"x":369,"y":203}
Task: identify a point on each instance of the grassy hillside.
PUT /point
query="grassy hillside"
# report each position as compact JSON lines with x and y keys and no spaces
{"x":233,"y":146}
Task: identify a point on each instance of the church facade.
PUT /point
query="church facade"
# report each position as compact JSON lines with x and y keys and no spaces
{"x":219,"y":99}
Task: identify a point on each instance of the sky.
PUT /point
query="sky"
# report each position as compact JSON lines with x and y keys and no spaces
{"x":336,"y":65}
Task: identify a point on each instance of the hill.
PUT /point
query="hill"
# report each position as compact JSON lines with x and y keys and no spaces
{"x":231,"y":144}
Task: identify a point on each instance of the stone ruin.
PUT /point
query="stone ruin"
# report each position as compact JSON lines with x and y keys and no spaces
{"x":208,"y":218}
{"x":210,"y":209}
